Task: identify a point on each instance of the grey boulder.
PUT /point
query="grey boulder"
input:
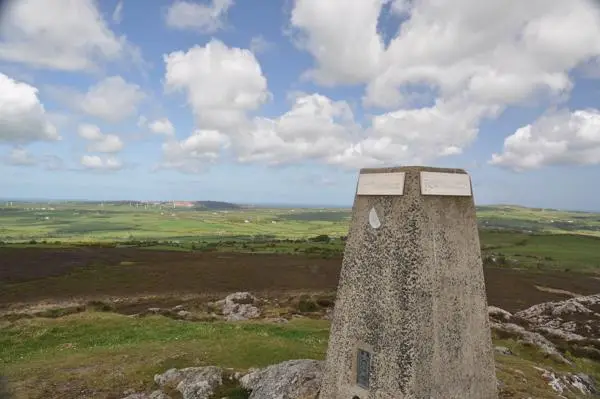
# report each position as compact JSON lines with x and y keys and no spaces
{"x":293,"y":379}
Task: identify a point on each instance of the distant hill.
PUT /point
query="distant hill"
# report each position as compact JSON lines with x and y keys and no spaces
{"x":216,"y":205}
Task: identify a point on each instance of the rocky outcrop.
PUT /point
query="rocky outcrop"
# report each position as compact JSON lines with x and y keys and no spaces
{"x":293,"y":379}
{"x":554,"y":327}
{"x":579,"y":316}
{"x":235,"y":307}
{"x":154,"y":395}
{"x":498,"y":314}
{"x":563,"y":383}
{"x":509,"y":330}
{"x":301,"y":379}
{"x":503,"y":350}
{"x":239,"y":306}
{"x":191,"y":382}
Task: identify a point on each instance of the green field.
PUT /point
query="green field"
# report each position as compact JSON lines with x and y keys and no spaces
{"x":98,"y":222}
{"x":544,"y":251}
{"x":95,"y":222}
{"x":511,"y":236}
{"x":539,"y":220}
{"x":110,"y":353}
{"x":106,"y":353}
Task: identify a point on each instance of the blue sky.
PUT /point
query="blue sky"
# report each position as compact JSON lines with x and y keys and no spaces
{"x":283,"y":102}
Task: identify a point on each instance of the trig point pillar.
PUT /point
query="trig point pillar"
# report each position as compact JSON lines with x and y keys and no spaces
{"x":410,"y":319}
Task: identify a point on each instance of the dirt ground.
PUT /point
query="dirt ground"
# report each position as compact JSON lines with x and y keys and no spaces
{"x":35,"y":274}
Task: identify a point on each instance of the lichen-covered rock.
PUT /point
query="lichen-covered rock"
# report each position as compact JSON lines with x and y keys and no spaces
{"x":192,"y":382}
{"x":158,"y":394}
{"x":584,"y":383}
{"x":569,"y":383}
{"x":199,"y":386}
{"x":293,"y":379}
{"x":498,"y":314}
{"x":503,"y":350}
{"x":559,"y":334}
{"x":500,"y":385}
{"x":510,"y":330}
{"x":173,"y":376}
{"x":137,"y":395}
{"x":184,"y":314}
{"x":240,"y":306}
{"x":580,"y":316}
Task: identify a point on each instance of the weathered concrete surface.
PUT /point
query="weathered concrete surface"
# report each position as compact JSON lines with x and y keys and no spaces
{"x":412,"y":293}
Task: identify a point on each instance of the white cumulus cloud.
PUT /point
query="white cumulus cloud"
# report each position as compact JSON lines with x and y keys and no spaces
{"x":23,"y":118}
{"x":100,"y":142}
{"x":110,"y":143}
{"x":52,"y":162}
{"x":112,"y":99}
{"x":205,"y":18}
{"x":95,"y":162}
{"x":117,"y":15}
{"x":258,"y":44}
{"x":60,"y":34}
{"x":346,"y":49}
{"x":405,"y":136}
{"x":162,"y":126}
{"x":193,"y":154}
{"x":315,"y":128}
{"x":468,"y":60}
{"x":90,"y":132}
{"x":222,"y":84}
{"x":19,"y":156}
{"x":557,"y":138}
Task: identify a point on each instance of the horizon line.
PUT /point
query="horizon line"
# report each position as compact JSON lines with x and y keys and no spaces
{"x":265,"y":204}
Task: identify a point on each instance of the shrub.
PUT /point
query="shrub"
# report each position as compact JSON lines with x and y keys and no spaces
{"x":307,"y":305}
{"x":100,"y":306}
{"x":325,"y":302}
{"x":321,"y":238}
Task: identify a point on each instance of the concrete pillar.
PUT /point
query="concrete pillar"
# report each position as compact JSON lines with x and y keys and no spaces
{"x":410,"y":319}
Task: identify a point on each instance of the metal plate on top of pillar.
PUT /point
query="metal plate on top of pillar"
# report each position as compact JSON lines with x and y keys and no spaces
{"x":447,"y":184}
